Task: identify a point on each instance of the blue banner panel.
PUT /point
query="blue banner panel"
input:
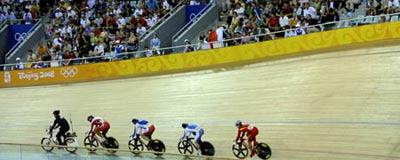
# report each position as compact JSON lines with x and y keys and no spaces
{"x":16,"y":33}
{"x":192,"y":11}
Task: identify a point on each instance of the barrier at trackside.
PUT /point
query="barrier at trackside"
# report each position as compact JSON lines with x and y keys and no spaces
{"x":202,"y":59}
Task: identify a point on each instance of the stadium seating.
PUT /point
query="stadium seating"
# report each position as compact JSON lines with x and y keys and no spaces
{"x":105,"y":30}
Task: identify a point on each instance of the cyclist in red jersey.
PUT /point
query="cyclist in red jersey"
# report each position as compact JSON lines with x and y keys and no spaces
{"x":98,"y":126}
{"x":251,"y":131}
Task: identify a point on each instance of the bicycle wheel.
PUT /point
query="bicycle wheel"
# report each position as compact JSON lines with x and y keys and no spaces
{"x":185,"y":147}
{"x":157,"y":146}
{"x":45,"y":144}
{"x":91,"y":142}
{"x":135,"y":146}
{"x":240,"y":150}
{"x":207,"y":149}
{"x":70,"y":142}
{"x":112,"y":143}
{"x":263,"y":151}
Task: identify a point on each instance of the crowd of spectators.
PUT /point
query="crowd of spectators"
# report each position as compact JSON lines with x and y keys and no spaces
{"x":244,"y":18}
{"x":377,"y":7}
{"x":27,"y":10}
{"x":98,"y":28}
{"x":108,"y":28}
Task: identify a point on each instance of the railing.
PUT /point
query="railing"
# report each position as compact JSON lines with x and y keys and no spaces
{"x":225,"y":43}
{"x":29,"y":33}
{"x":194,"y":19}
{"x":2,"y":24}
{"x":161,"y":20}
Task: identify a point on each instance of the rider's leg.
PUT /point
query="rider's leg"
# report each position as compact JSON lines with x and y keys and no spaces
{"x":147,"y":135}
{"x":146,"y":138}
{"x":105,"y":129}
{"x":60,"y":134}
{"x":197,"y":138}
{"x":252,"y":144}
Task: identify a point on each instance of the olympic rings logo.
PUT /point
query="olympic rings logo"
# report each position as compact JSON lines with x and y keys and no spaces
{"x":19,"y":36}
{"x":69,"y":72}
{"x":192,"y":17}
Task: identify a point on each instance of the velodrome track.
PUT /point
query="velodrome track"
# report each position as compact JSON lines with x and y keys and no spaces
{"x":338,"y":105}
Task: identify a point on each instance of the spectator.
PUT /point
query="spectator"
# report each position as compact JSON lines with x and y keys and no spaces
{"x":155,"y":42}
{"x":152,"y":5}
{"x":166,"y":5}
{"x":148,"y":52}
{"x":119,"y":49}
{"x":42,"y":49}
{"x":203,"y":44}
{"x":309,"y":10}
{"x":69,"y":56}
{"x":194,"y":2}
{"x":27,"y":17}
{"x":57,"y":41}
{"x":283,"y":20}
{"x":273,"y":22}
{"x":141,"y":29}
{"x":19,"y":65}
{"x":220,"y":36}
{"x":212,"y":37}
{"x":188,"y":46}
{"x":11,"y":16}
{"x":133,"y":42}
{"x":99,"y":49}
{"x":239,"y":10}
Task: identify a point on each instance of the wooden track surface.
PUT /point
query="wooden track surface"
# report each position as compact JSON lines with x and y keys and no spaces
{"x":339,"y":105}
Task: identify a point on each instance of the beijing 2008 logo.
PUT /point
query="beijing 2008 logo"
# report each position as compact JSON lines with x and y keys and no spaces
{"x":69,"y":72}
{"x":7,"y":77}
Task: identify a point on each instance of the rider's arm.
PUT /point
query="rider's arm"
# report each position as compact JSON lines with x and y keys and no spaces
{"x":54,"y":125}
{"x":133,"y":131}
{"x":186,"y":133}
{"x":137,"y":131}
{"x":240,"y":135}
{"x":91,"y":128}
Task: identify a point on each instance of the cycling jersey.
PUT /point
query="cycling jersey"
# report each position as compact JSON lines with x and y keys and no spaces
{"x":195,"y":130}
{"x":251,"y":131}
{"x":97,"y":121}
{"x":142,"y":127}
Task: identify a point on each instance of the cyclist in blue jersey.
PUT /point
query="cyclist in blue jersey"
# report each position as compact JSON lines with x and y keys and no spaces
{"x":194,"y":129}
{"x":142,"y":128}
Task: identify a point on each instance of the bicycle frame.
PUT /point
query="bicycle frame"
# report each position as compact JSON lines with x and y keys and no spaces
{"x":192,"y":143}
{"x":96,"y":137}
{"x":245,"y":141}
{"x":51,"y":137}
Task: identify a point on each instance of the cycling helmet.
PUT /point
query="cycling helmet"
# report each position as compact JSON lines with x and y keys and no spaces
{"x":184,"y":125}
{"x":89,"y":118}
{"x":56,"y":112}
{"x":134,"y":120}
{"x":238,"y":123}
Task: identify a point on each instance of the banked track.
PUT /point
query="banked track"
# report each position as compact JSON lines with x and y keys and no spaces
{"x":337,"y":105}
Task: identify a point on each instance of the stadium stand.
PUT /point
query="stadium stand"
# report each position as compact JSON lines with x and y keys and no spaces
{"x":106,"y":30}
{"x":27,"y":11}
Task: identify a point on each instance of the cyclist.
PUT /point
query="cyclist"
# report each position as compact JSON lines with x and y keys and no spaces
{"x":251,"y":131}
{"x":142,"y":128}
{"x":98,"y":126}
{"x":64,"y":127}
{"x":194,"y":129}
